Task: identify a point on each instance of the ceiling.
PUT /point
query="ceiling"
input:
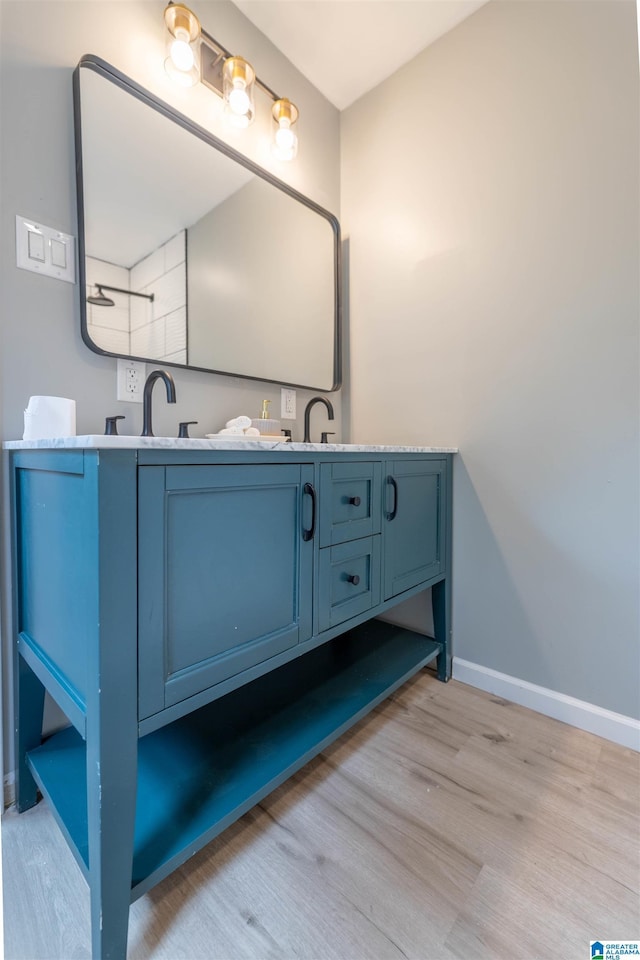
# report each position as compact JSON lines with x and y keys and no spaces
{"x":347,"y":47}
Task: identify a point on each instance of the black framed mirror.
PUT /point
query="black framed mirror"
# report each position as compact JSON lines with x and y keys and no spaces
{"x":192,"y":255}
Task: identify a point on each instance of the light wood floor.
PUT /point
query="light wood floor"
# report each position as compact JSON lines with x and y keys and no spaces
{"x":448,"y":824}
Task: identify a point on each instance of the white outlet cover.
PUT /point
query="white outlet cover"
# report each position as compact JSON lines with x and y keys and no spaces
{"x":45,"y":250}
{"x":130,"y":380}
{"x":287,"y":403}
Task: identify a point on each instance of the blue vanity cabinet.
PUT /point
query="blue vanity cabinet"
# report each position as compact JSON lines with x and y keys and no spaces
{"x":206,"y":620}
{"x":414,"y":526}
{"x":225,"y":574}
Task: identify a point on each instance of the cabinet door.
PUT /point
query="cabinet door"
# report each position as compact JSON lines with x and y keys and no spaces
{"x":414,"y":543}
{"x":225,"y":576}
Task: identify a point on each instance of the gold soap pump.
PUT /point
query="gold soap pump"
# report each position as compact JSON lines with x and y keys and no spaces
{"x":267,"y":426}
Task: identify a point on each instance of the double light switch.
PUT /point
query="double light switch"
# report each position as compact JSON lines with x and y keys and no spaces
{"x":45,"y":250}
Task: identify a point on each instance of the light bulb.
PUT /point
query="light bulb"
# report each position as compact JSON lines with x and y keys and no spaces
{"x":285,"y":145}
{"x":285,"y":138}
{"x":181,"y":62}
{"x":238,"y":99}
{"x":182,"y":55}
{"x":238,"y":77}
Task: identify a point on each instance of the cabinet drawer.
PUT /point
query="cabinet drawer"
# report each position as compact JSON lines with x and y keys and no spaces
{"x":350,"y":501}
{"x":348,"y":581}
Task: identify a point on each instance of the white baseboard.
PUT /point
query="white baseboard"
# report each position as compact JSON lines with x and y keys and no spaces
{"x":586,"y":716}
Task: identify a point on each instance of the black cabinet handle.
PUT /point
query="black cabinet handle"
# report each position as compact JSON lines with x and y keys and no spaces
{"x":310,"y":490}
{"x":353,"y":578}
{"x":392,"y":482}
{"x":356,"y":501}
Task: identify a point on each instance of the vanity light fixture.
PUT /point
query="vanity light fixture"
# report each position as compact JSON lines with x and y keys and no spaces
{"x":193,"y":55}
{"x":285,"y":139}
{"x":182,"y":47}
{"x":238,"y":78}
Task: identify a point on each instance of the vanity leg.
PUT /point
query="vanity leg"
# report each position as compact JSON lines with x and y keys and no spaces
{"x":441,"y":593}
{"x":112,"y":702}
{"x":29,"y":709}
{"x":111,"y":806}
{"x":441,"y":599}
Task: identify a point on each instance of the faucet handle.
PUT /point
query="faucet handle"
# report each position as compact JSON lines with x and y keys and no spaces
{"x":183,"y":429}
{"x":111,"y":426}
{"x":325,"y":434}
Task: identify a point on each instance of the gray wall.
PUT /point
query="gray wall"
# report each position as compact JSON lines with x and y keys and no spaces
{"x":41,"y":351}
{"x":490,"y":198}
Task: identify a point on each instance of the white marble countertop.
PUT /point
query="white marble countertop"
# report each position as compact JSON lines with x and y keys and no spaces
{"x":97,"y":441}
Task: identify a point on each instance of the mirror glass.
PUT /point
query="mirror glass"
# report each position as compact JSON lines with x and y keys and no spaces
{"x":192,"y":255}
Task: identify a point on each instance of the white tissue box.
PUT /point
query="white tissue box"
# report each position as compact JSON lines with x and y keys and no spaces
{"x":47,"y":418}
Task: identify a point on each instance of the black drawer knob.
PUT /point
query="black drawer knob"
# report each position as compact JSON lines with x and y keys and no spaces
{"x":353,"y":578}
{"x":356,"y":501}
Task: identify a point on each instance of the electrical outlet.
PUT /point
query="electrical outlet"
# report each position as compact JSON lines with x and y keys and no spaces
{"x":131,"y":375}
{"x":287,"y":404}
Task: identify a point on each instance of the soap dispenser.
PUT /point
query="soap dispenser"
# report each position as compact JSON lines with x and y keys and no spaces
{"x":267,"y":426}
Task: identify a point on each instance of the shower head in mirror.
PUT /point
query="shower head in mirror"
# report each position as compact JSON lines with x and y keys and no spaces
{"x":100,"y":300}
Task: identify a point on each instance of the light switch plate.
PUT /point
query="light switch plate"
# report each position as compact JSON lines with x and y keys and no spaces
{"x":45,"y":250}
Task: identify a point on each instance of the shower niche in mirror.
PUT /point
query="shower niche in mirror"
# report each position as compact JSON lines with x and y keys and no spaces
{"x":192,"y":255}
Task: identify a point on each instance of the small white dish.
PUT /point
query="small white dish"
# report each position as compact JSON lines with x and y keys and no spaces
{"x":242,"y":438}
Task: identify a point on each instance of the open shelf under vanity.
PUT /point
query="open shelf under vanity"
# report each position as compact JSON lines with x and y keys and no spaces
{"x":201,"y":772}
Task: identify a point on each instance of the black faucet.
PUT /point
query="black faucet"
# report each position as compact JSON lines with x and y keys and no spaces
{"x":147,"y":430}
{"x":307,"y":414}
